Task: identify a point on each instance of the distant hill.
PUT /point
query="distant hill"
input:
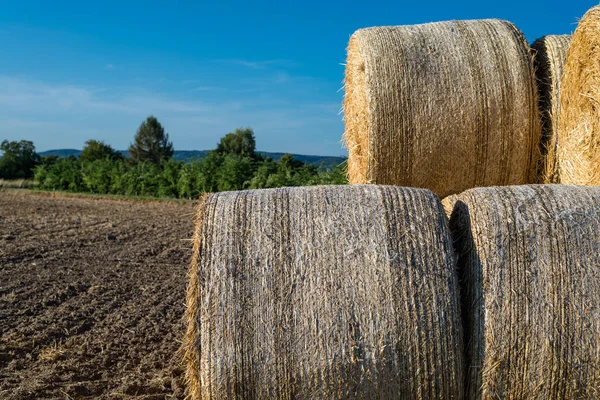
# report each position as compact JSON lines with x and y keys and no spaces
{"x":60,"y":153}
{"x":189,"y":155}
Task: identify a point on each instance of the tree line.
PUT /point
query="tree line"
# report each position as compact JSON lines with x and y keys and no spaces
{"x":150,"y":171}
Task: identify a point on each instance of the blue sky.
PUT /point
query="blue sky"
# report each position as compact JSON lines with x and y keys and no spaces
{"x":76,"y":70}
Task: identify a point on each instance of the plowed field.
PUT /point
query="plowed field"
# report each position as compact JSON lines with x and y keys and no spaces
{"x":91,"y":296}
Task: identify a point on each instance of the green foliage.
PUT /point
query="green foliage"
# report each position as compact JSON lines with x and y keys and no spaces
{"x":265,"y":174}
{"x":187,"y":185}
{"x":18,"y":159}
{"x":241,"y":142}
{"x":103,"y":175}
{"x":234,"y":165}
{"x":151,"y":143}
{"x":235,"y":173}
{"x":49,"y":160}
{"x":169,"y":179}
{"x":64,"y":174}
{"x":98,"y":150}
{"x":143,"y":179}
{"x":208,"y":179}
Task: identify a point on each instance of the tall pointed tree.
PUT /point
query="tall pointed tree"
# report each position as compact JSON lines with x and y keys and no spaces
{"x":151,"y":143}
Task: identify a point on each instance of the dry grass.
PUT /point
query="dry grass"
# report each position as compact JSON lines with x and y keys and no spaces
{"x":190,"y":349}
{"x":323,"y":292}
{"x":356,"y":116}
{"x":100,"y":197}
{"x":579,"y":124}
{"x":448,"y":204}
{"x":17,"y":184}
{"x":445,"y":106}
{"x":550,"y":56}
{"x":528,"y":259}
{"x":51,"y":354}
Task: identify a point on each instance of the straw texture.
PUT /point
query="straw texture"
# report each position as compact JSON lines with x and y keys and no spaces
{"x":448,"y":203}
{"x":445,"y":106}
{"x":579,"y":122}
{"x":528,"y":260}
{"x":550,"y":56}
{"x":331,"y":292}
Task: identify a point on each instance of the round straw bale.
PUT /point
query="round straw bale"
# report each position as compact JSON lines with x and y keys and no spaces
{"x":446,"y":106}
{"x":550,"y":56}
{"x":333,"y":292}
{"x":528,"y":260}
{"x":579,"y":121}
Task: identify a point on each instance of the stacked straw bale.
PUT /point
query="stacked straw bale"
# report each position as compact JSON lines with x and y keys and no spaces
{"x":528,"y":258}
{"x":550,"y":57}
{"x":324,"y":292}
{"x":446,"y":106}
{"x":579,"y":117}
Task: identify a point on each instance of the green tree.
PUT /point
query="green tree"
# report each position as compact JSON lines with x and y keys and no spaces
{"x":118,"y":182}
{"x":241,"y":142}
{"x":291,"y":172}
{"x":334,"y":176}
{"x":98,"y":150}
{"x":289,"y":166}
{"x":235,"y":173}
{"x":97,"y":175}
{"x":263,"y":176}
{"x":207,"y":180}
{"x":171,"y":169}
{"x":187,"y":185}
{"x":64,"y":174}
{"x":18,"y":159}
{"x":234,"y":165}
{"x":49,"y":160}
{"x":151,"y":143}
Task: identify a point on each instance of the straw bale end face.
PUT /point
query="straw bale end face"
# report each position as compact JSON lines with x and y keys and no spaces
{"x":445,"y":106}
{"x":528,"y":260}
{"x":323,"y":292}
{"x":579,"y":118}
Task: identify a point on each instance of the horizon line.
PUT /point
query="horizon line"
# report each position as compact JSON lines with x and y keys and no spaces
{"x":207,"y":150}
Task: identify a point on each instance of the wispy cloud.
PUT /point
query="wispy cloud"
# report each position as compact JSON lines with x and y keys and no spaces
{"x":109,"y":66}
{"x":17,"y":123}
{"x":24,"y":95}
{"x":190,"y":82}
{"x":261,"y":65}
{"x":278,"y":78}
{"x":210,"y":89}
{"x":63,"y":115}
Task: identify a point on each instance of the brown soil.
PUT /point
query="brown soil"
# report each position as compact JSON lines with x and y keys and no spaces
{"x":91,"y":296}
